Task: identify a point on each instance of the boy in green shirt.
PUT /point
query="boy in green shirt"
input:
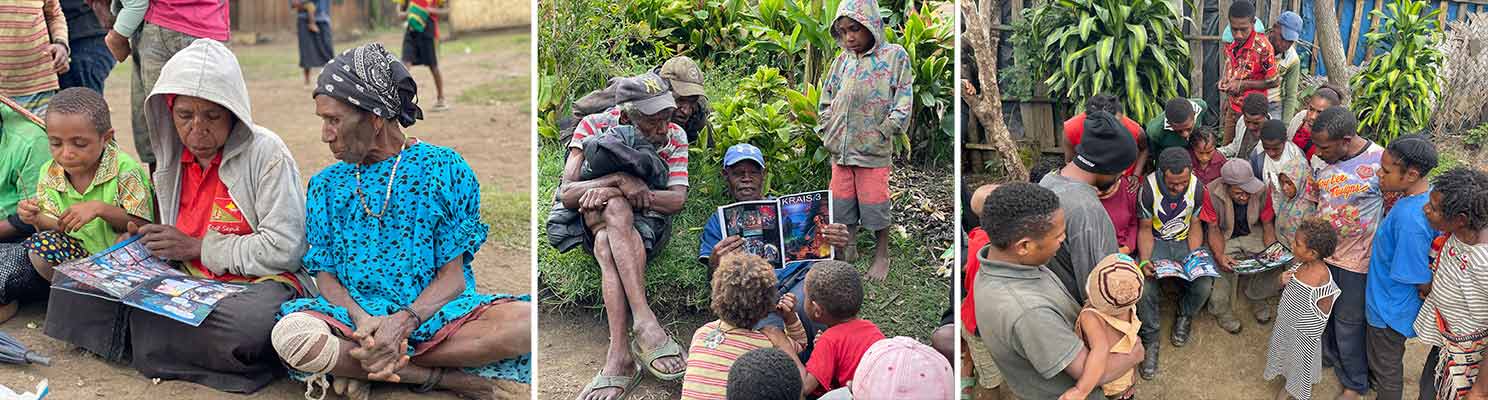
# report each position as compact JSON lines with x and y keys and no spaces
{"x":90,"y":192}
{"x":23,"y":149}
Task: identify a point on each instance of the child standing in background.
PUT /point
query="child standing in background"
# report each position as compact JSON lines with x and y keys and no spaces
{"x":1108,"y":324}
{"x":865,"y":102}
{"x":1296,"y":350}
{"x":421,"y":40}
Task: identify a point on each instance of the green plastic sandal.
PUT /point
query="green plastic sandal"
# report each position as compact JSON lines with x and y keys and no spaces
{"x":668,"y":349}
{"x":624,"y":383}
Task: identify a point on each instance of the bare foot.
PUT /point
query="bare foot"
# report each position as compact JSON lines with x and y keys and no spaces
{"x":352,"y":388}
{"x":880,"y":268}
{"x":8,"y":311}
{"x":1348,"y":394}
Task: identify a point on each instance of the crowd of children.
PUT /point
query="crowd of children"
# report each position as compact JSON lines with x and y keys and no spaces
{"x":1381,"y":251}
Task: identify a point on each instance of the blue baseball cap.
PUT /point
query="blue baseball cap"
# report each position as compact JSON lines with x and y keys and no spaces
{"x":1290,"y":25}
{"x":741,"y":152}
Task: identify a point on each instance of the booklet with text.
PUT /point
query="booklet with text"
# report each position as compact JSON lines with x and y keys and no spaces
{"x":1199,"y":263}
{"x":1275,"y":256}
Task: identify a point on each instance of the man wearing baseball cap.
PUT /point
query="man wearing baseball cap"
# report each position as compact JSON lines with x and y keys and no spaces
{"x":687,"y":88}
{"x":1283,"y":97}
{"x":1245,"y":224}
{"x":744,"y":177}
{"x":627,"y":222}
{"x":681,"y":75}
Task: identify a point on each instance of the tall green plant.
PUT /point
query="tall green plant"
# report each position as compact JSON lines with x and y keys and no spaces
{"x":928,"y":40}
{"x":1393,"y":95}
{"x":780,"y":121}
{"x":1131,"y":48}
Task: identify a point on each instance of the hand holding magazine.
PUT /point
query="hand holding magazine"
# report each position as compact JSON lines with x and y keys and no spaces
{"x":1199,"y":263}
{"x":128,"y":272}
{"x":783,"y":230}
{"x":1275,"y":256}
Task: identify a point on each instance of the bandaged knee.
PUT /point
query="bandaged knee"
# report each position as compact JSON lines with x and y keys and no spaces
{"x":306,"y":343}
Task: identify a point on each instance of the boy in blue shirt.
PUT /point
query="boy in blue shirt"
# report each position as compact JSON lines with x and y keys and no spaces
{"x":1399,"y":261}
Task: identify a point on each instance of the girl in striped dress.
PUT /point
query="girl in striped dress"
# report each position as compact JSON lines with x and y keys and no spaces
{"x":1301,"y":315}
{"x":1454,"y":316}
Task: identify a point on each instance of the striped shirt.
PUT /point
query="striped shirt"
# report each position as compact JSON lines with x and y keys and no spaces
{"x":708,"y":366}
{"x":674,"y":153}
{"x":27,"y":28}
{"x":1459,"y":291}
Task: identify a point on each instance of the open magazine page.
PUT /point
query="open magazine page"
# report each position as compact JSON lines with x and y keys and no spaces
{"x":182,"y":298}
{"x":758,"y":224}
{"x":802,"y":218}
{"x":1198,"y":264}
{"x":128,"y":272}
{"x":1275,"y":256}
{"x":119,"y":269}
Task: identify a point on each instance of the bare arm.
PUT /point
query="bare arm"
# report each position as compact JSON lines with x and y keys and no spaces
{"x":1069,"y":151}
{"x":668,"y":201}
{"x":6,"y":229}
{"x":1144,"y":238}
{"x":447,"y":285}
{"x":335,"y":293}
{"x":1268,"y":231}
{"x":1116,"y":365}
{"x":1099,"y":350}
{"x":1195,"y":239}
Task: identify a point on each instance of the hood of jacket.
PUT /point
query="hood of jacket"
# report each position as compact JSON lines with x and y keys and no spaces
{"x":866,"y":13}
{"x":208,"y":70}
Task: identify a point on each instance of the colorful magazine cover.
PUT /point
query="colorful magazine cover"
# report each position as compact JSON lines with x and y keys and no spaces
{"x":1198,"y":264}
{"x":802,"y":218}
{"x":1275,"y":256}
{"x":758,"y":224}
{"x":127,"y":272}
{"x":784,"y":230}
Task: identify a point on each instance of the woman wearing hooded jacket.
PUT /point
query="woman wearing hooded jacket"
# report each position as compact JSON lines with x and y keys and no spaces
{"x":232,"y":209}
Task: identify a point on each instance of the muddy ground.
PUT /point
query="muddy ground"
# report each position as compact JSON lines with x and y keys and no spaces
{"x":487,"y":79}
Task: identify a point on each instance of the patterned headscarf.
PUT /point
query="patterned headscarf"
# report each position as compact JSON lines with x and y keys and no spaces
{"x":371,"y":78}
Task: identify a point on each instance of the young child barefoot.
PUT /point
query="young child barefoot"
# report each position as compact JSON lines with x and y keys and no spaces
{"x":1302,"y":313}
{"x":1108,"y":324}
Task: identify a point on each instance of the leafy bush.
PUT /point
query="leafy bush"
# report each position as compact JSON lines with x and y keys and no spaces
{"x":1131,"y":48}
{"x":1477,"y":137}
{"x":778,"y":120}
{"x":927,"y":38}
{"x":1393,"y":94}
{"x":575,"y":54}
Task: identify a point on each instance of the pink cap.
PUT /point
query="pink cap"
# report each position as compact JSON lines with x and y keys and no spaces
{"x":903,"y":368}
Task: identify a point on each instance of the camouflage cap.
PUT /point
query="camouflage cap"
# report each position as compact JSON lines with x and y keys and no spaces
{"x":684,"y":75}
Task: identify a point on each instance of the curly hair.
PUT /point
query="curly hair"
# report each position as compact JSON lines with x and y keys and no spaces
{"x":82,"y":102}
{"x":836,"y":287}
{"x":764,"y":374}
{"x":1464,"y":191}
{"x":1104,"y":102}
{"x":1254,"y":104}
{"x":743,"y":289}
{"x":1321,"y":236}
{"x":1018,"y":210}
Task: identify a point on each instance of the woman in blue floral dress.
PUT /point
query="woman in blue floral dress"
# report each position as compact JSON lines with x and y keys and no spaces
{"x":392,"y":230}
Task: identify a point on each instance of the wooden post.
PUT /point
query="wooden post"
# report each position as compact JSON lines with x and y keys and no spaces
{"x":1373,"y":24}
{"x":1275,"y":12}
{"x":1017,"y":10}
{"x":1196,"y":52}
{"x":1441,"y":17}
{"x":1353,"y":44}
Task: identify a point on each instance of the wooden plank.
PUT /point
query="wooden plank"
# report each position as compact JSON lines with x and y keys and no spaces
{"x":1297,"y":6}
{"x":1353,"y":44}
{"x":978,"y":146}
{"x":1373,"y":24}
{"x":1441,"y":17}
{"x":1275,"y":12}
{"x":1017,"y":10}
{"x":1196,"y":72}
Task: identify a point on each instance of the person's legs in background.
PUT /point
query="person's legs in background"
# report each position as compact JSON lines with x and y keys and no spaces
{"x":1428,"y":374}
{"x":1344,"y":336}
{"x":1385,"y":350}
{"x":90,"y":65}
{"x":153,"y":46}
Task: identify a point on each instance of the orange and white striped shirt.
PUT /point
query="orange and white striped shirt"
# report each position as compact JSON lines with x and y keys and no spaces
{"x":710,"y":357}
{"x":27,"y":27}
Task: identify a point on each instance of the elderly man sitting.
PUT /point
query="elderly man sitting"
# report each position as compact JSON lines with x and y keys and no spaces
{"x":626,"y":221}
{"x":390,"y":245}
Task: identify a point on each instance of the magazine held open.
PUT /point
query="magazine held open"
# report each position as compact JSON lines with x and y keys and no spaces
{"x":128,"y":272}
{"x":784,"y":230}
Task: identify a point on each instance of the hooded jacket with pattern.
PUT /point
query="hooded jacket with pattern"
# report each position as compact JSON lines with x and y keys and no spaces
{"x":867,"y":97}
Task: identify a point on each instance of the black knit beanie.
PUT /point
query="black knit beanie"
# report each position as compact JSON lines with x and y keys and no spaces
{"x":1107,"y":147}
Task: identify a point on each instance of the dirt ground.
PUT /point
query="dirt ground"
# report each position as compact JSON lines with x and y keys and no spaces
{"x":487,"y":80}
{"x":1218,"y":366}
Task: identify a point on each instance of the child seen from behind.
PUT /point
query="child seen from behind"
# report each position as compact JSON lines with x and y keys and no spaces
{"x":834,"y":295}
{"x":743,"y":294}
{"x":1108,"y":324}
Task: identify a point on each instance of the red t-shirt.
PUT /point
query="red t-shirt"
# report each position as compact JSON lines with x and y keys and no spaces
{"x":1074,"y":129}
{"x":838,"y":350}
{"x":974,"y":243}
{"x":1122,"y":207}
{"x":206,"y":204}
{"x":1303,"y":140}
{"x":1207,"y":172}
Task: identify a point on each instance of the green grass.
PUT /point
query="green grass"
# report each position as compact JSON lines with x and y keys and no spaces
{"x":483,"y":42}
{"x":507,"y":213}
{"x":908,"y":304}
